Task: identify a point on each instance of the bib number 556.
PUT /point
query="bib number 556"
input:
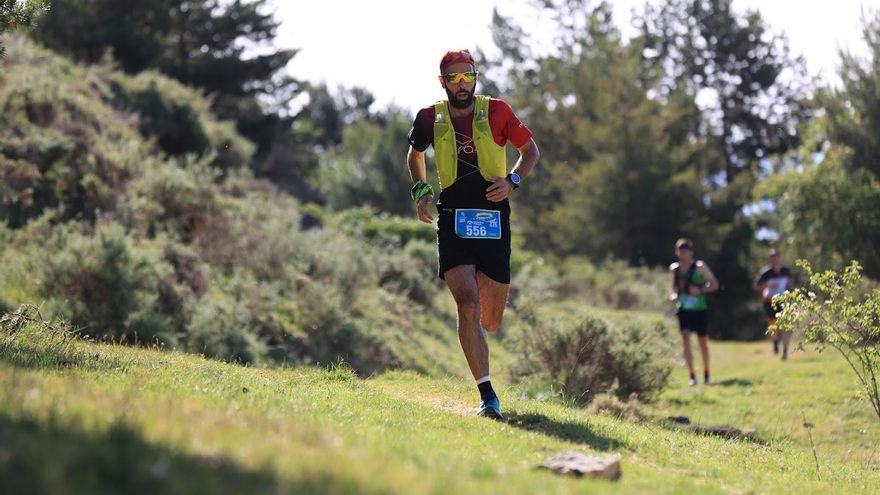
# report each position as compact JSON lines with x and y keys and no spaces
{"x":475,"y":231}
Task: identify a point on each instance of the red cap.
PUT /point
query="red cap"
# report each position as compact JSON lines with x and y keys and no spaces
{"x":456,"y":57}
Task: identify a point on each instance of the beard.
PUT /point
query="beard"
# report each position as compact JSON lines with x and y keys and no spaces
{"x":458,"y":103}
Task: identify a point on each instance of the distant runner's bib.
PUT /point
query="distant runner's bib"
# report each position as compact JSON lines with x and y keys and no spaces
{"x":478,"y":224}
{"x":689,"y":302}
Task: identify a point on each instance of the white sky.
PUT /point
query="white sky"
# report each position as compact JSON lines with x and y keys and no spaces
{"x":393,"y":47}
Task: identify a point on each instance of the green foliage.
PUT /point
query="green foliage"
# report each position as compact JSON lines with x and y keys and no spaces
{"x":827,"y":214}
{"x":611,"y":284}
{"x":202,"y":44}
{"x":698,"y":45}
{"x":380,"y":228}
{"x":180,"y":120}
{"x":368,"y":170}
{"x":584,"y":355}
{"x":620,"y":170}
{"x":198,"y":43}
{"x":854,"y":108}
{"x":826,"y":194}
{"x":70,"y":144}
{"x":19,"y":14}
{"x":223,"y":327}
{"x":109,"y":286}
{"x":835,"y":310}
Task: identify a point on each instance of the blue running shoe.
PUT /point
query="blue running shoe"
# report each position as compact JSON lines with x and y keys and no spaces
{"x":490,"y":408}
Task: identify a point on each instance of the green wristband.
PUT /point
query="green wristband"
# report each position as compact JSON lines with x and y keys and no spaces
{"x":421,"y":189}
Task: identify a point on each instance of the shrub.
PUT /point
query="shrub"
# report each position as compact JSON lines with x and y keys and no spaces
{"x":614,"y":283}
{"x":179,"y":119}
{"x":106,"y":285}
{"x":836,"y":310}
{"x":178,"y":196}
{"x":223,"y":327}
{"x":585,"y":356}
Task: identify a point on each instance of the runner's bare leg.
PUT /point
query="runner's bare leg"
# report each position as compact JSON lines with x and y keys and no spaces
{"x":462,"y":283}
{"x":686,"y":346}
{"x":493,"y":299}
{"x":704,"y":350}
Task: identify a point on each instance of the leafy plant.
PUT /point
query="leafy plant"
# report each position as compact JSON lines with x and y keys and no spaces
{"x":835,"y":310}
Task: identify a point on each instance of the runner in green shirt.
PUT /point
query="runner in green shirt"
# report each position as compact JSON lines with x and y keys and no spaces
{"x":691,"y":281}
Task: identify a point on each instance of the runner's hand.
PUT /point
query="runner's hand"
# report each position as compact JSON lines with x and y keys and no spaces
{"x":499,"y":190}
{"x":673,"y":297}
{"x":422,"y":209}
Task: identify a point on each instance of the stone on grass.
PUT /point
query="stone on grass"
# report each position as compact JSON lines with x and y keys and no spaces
{"x":578,"y":464}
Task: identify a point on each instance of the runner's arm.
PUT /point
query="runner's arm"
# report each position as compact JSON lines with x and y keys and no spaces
{"x":760,"y":283}
{"x":673,"y":296}
{"x":712,"y":284}
{"x":528,"y":157}
{"x":415,"y":161}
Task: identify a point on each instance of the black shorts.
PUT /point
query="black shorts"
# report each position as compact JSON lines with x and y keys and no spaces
{"x":695,"y":321}
{"x":490,"y":256}
{"x":770,"y":309}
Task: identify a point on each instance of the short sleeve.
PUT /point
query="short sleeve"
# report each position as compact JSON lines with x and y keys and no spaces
{"x":512,"y":129}
{"x":422,"y":133}
{"x":765,"y":274}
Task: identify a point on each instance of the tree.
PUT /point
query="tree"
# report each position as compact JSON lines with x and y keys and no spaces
{"x":210,"y":44}
{"x":752,"y":93}
{"x":854,"y":109}
{"x":619,"y":174}
{"x":366,"y":169}
{"x":222,"y":47}
{"x":16,"y":14}
{"x":826,"y":194}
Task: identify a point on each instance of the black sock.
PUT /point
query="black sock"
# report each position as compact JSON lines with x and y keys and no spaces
{"x":486,"y":390}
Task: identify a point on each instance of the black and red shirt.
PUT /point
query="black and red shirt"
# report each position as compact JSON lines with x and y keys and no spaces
{"x":469,"y":188}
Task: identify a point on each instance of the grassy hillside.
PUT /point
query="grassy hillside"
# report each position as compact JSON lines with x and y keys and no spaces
{"x":79,"y":417}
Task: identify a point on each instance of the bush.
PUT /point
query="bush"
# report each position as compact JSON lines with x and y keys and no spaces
{"x":108,"y":286}
{"x":837,"y":310}
{"x":178,"y":196}
{"x":179,"y":119}
{"x":224,"y":328}
{"x":614,"y":283}
{"x":585,"y":356}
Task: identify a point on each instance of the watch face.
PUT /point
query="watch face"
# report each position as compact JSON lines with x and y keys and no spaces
{"x":514,"y":177}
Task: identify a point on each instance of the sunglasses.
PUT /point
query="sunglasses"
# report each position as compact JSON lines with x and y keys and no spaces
{"x":457,"y":77}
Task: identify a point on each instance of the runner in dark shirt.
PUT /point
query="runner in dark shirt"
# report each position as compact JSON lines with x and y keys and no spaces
{"x":774,"y":280}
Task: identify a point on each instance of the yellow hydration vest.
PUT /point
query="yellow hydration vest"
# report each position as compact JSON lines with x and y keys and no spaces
{"x":491,"y":158}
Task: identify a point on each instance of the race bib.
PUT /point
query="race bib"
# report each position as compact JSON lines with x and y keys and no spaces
{"x":689,"y":302}
{"x":478,"y":224}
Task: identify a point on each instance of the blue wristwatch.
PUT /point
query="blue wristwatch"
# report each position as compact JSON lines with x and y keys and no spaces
{"x":514,"y":179}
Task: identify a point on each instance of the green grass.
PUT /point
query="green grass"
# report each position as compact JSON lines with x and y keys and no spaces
{"x":79,"y":417}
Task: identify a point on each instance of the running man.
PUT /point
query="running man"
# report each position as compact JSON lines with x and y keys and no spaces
{"x":774,"y":280}
{"x":469,"y":133}
{"x":691,"y":281}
